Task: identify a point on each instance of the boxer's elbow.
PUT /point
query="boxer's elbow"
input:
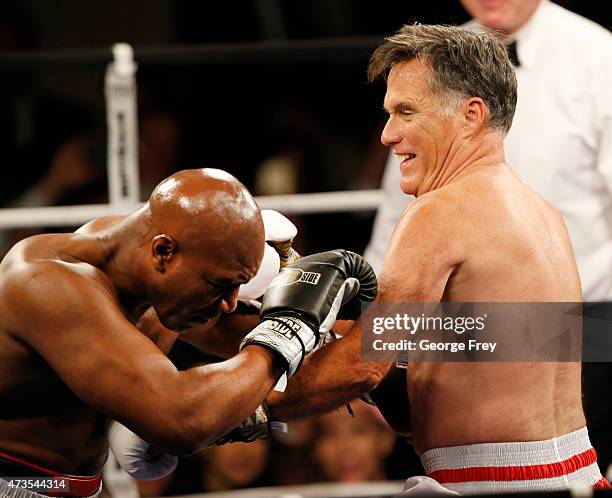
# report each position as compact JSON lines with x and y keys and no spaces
{"x":369,"y":375}
{"x":177,"y":425}
{"x":186,"y":434}
{"x":200,"y":428}
{"x":169,"y":436}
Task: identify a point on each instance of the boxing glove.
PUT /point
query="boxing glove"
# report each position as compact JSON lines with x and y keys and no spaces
{"x":304,"y":299}
{"x":132,"y":454}
{"x":280,"y":233}
{"x":278,"y":252}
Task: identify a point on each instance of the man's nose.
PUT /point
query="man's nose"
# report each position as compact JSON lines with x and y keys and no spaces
{"x":391,"y":133}
{"x":229,"y":301}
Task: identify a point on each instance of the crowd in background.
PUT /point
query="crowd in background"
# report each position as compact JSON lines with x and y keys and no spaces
{"x":336,"y":447}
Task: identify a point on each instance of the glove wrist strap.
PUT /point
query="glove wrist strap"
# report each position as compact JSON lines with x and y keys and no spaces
{"x":289,"y":337}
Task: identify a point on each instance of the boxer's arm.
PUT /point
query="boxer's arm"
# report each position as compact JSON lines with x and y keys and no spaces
{"x":328,"y":379}
{"x":422,"y":254}
{"x":74,"y":322}
{"x":136,"y":456}
{"x":150,"y":326}
{"x":224,"y":338}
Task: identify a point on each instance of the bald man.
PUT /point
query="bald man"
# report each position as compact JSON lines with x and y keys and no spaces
{"x":86,"y":317}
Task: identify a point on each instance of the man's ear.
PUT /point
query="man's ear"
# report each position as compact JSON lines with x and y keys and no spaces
{"x":475,"y":114}
{"x":163,"y":249}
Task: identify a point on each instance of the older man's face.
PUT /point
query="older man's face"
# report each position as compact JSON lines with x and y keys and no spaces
{"x":417,"y":133}
{"x":505,"y":15}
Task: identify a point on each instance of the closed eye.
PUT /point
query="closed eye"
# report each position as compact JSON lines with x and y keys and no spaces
{"x":225,"y":286}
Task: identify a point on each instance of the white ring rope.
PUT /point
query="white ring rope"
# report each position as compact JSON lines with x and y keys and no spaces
{"x":322,"y":202}
{"x":73,"y":216}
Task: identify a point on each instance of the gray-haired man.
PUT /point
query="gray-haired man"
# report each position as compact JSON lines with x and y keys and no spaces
{"x":475,"y":232}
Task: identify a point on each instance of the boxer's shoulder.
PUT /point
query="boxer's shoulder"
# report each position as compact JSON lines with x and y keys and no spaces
{"x":425,"y":208}
{"x":52,"y":259}
{"x":38,"y":291}
{"x":436,"y":214}
{"x":428,"y":243}
{"x":100,"y":224}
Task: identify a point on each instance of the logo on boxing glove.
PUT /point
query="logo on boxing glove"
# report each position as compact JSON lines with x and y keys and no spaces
{"x":290,"y":276}
{"x":287,"y":326}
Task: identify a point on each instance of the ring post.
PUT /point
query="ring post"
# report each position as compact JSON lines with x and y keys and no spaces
{"x":122,"y":122}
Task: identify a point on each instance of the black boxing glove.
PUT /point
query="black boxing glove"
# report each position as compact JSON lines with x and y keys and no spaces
{"x":304,"y":300}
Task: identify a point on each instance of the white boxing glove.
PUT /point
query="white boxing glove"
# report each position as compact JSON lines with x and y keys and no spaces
{"x":280,"y":233}
{"x":278,"y":227}
{"x":131,"y":452}
{"x":269,"y":268}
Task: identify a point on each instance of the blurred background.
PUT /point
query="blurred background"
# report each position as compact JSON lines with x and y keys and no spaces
{"x":282,"y":125}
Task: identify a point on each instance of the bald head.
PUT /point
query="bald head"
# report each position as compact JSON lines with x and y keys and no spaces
{"x":205,"y":238}
{"x":205,"y":202}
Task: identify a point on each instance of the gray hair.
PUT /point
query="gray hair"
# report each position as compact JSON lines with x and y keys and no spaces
{"x":464,"y":64}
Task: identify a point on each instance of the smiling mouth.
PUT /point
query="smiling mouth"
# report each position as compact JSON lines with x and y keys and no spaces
{"x":406,"y":159}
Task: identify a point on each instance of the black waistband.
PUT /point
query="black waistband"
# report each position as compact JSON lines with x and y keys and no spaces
{"x":60,"y":484}
{"x":9,"y":468}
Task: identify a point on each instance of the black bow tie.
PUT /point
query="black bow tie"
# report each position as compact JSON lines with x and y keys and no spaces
{"x":512,"y":55}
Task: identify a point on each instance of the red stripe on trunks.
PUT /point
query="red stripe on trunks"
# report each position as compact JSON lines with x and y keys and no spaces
{"x":516,"y":473}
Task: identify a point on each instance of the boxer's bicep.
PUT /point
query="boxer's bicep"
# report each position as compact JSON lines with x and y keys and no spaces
{"x":78,"y":329}
{"x":74,"y":322}
{"x":422,"y":254}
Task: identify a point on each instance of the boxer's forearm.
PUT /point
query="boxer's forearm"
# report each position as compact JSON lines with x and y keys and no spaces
{"x":211,"y":400}
{"x":225,"y":337}
{"x":328,"y":379}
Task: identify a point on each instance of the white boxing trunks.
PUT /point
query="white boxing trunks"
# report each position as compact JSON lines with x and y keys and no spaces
{"x":548,"y":465}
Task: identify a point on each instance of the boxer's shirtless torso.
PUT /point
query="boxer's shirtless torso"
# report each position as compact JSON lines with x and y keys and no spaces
{"x":81,"y":343}
{"x":474,"y":232}
{"x":41,"y":419}
{"x":489,"y":238}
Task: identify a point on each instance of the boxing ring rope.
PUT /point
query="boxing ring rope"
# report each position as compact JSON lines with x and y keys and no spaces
{"x":281,"y":51}
{"x":379,"y":490}
{"x":65,"y":216}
